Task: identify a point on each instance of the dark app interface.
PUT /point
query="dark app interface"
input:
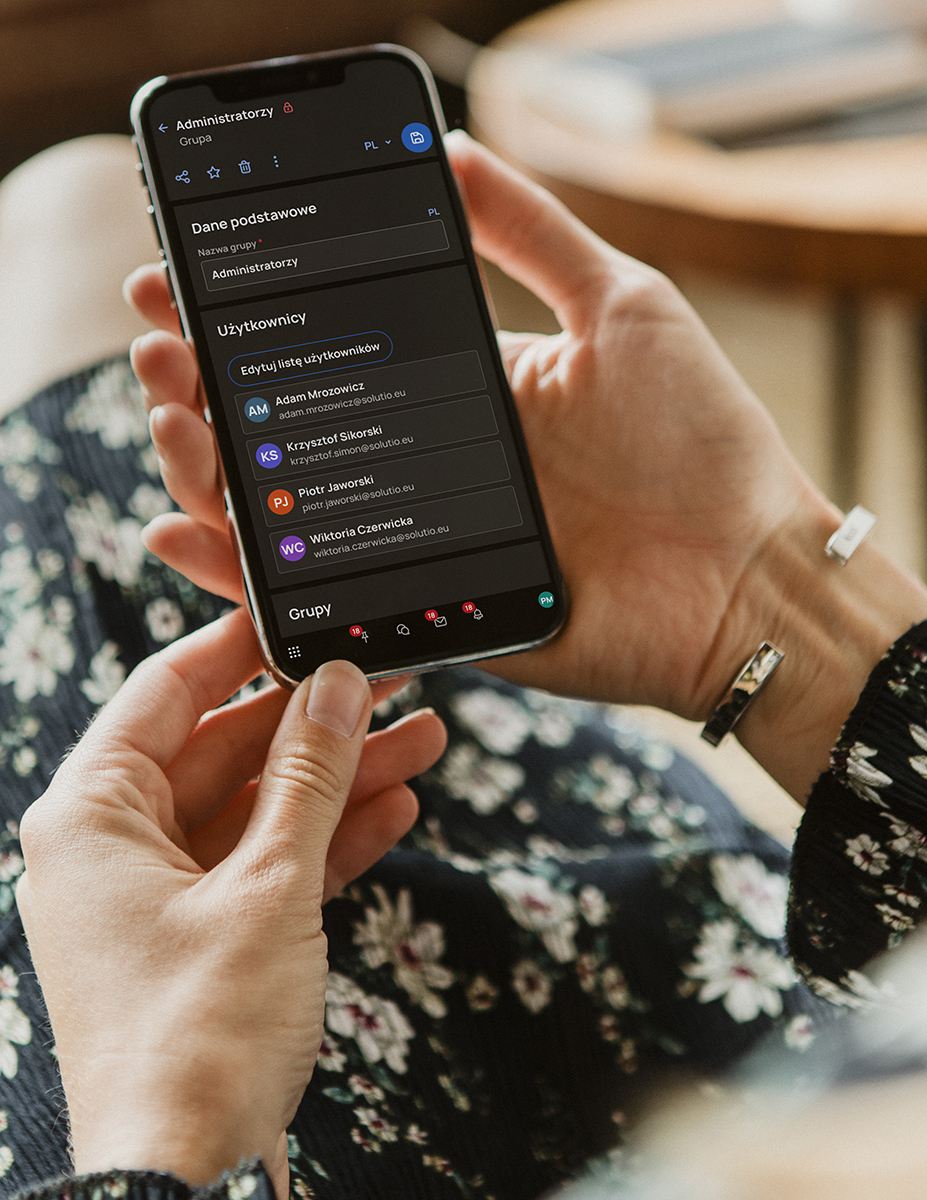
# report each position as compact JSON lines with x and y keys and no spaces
{"x":352,"y":366}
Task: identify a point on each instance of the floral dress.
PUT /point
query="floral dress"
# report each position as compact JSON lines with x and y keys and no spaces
{"x":577,"y":916}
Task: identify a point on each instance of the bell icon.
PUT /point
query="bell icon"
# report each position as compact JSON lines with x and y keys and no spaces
{"x":288,"y":107}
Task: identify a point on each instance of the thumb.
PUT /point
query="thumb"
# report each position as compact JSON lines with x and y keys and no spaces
{"x":308,"y":774}
{"x":529,"y":234}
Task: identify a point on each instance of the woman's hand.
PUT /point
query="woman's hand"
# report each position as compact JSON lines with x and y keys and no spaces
{"x":661,"y":474}
{"x":686,"y":532}
{"x":172,"y":901}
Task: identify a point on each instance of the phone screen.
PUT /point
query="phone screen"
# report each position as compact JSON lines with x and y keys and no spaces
{"x":379,"y":486}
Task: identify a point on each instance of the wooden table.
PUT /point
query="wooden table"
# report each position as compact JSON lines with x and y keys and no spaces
{"x":849,"y":216}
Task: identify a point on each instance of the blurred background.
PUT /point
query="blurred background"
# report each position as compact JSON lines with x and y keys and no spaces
{"x":70,"y":67}
{"x":769,"y":155}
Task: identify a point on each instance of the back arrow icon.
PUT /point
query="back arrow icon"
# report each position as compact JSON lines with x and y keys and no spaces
{"x":163,"y":128}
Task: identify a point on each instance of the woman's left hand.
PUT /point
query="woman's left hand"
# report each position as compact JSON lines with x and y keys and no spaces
{"x":172,"y":900}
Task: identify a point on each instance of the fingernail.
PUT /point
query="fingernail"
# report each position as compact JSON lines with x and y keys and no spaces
{"x":338,"y":697}
{"x":413,"y":716}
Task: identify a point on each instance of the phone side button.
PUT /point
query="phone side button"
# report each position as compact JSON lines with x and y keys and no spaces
{"x":170,"y":285}
{"x":232,"y":528}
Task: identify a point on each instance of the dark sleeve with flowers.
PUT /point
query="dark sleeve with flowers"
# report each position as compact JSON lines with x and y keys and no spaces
{"x":859,"y":868}
{"x":248,"y":1182}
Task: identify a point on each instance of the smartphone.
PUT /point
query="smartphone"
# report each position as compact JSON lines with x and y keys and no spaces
{"x":377,"y":482}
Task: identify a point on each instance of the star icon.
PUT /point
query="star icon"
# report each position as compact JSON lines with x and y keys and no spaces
{"x":213,"y":172}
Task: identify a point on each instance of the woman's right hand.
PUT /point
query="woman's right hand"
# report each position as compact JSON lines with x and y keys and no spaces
{"x":176,"y":869}
{"x":686,"y":532}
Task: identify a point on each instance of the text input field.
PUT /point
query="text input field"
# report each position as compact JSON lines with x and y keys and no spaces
{"x":329,"y":254}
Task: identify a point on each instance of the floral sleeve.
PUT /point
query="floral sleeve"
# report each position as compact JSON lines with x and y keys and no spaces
{"x":248,"y":1182}
{"x":859,"y":870}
